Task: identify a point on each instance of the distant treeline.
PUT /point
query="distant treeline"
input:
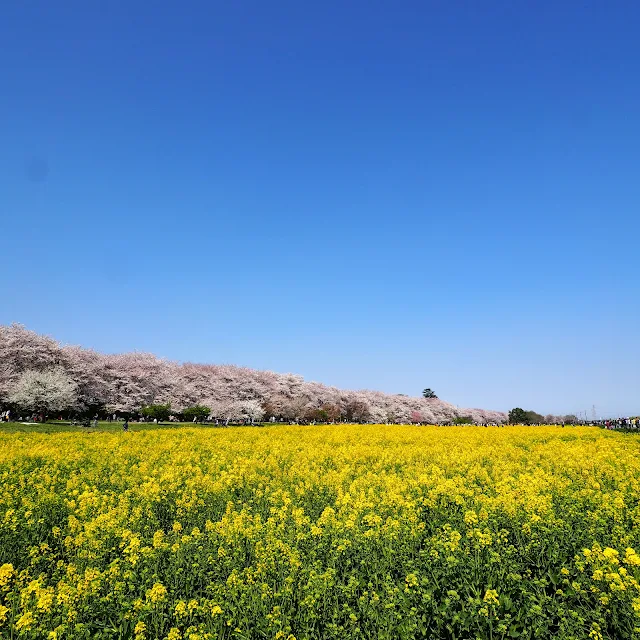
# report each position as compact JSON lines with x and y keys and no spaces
{"x":38,"y":374}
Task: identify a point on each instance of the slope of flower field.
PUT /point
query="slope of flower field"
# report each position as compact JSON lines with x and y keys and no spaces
{"x":321,"y":532}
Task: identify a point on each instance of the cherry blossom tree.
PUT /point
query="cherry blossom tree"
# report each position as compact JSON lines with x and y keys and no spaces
{"x":44,"y":391}
{"x":128,"y":381}
{"x":23,"y":350}
{"x":252,"y":410}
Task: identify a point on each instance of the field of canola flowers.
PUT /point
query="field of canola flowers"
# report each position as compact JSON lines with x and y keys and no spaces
{"x":321,"y":532}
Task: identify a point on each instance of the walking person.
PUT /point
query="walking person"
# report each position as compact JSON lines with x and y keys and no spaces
{"x":125,"y":424}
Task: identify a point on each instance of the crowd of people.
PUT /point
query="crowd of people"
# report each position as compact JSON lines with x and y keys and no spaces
{"x":622,"y":424}
{"x":631,"y":423}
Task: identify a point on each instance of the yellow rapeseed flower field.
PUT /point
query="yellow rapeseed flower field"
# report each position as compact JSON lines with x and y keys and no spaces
{"x":385,"y":532}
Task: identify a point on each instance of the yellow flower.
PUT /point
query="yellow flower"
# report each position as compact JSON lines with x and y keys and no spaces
{"x":157,"y":593}
{"x":25,"y":621}
{"x":3,"y":613}
{"x":631,"y":557}
{"x":471,"y":517}
{"x":158,"y":539}
{"x":411,"y":580}
{"x":491,"y":597}
{"x":6,"y":571}
{"x":174,"y":634}
{"x":595,"y":632}
{"x":140,"y":629}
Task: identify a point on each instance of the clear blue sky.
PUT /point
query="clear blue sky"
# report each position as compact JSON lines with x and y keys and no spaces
{"x":385,"y":195}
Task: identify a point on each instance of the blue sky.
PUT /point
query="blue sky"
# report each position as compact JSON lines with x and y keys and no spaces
{"x":385,"y":195}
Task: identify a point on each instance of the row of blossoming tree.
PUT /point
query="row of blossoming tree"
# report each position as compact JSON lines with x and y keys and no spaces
{"x":37,"y":373}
